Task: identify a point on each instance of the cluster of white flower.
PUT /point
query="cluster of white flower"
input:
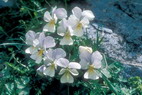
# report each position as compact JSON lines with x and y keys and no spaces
{"x":40,"y":45}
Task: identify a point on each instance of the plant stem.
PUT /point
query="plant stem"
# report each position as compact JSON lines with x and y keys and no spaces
{"x":66,"y":4}
{"x":68,"y":90}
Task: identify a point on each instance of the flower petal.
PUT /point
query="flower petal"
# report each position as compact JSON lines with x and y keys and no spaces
{"x":62,"y":71}
{"x":73,"y":21}
{"x":85,"y":53}
{"x":84,"y":64}
{"x":77,"y":12}
{"x":45,"y":42}
{"x":62,"y":62}
{"x":85,"y":22}
{"x":74,"y":72}
{"x":85,"y":49}
{"x":50,"y":71}
{"x":78,"y":31}
{"x":67,"y":78}
{"x":74,"y":65}
{"x":45,"y":28}
{"x":28,"y":50}
{"x":41,"y":69}
{"x":61,"y":30}
{"x":55,"y":54}
{"x":61,"y":13}
{"x":91,"y":75}
{"x":30,"y":36}
{"x":96,"y":59}
{"x":35,"y":56}
{"x":40,"y":40}
{"x":31,"y":50}
{"x":49,"y":56}
{"x":97,"y":64}
{"x":49,"y":27}
{"x":38,"y":60}
{"x":35,"y":42}
{"x":97,"y":55}
{"x":70,"y":30}
{"x":66,"y":41}
{"x":47,"y":16}
{"x":49,"y":42}
{"x":89,"y":14}
{"x":64,"y":23}
{"x":48,"y":60}
{"x":58,"y":53}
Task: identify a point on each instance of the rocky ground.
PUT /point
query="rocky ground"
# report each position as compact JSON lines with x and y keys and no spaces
{"x":123,"y":35}
{"x":120,"y":21}
{"x":115,"y":47}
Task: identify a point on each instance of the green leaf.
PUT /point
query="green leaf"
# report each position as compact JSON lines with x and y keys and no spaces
{"x":25,"y":79}
{"x":22,"y":82}
{"x":24,"y":91}
{"x":110,"y":84}
{"x":106,"y":73}
{"x":9,"y":88}
{"x":16,"y":68}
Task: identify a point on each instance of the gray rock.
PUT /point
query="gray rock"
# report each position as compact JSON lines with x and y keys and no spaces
{"x":139,"y":59}
{"x":115,"y":47}
{"x":124,"y":18}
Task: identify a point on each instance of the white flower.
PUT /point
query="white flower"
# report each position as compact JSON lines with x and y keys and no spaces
{"x":81,"y":14}
{"x":60,"y":13}
{"x":66,"y":31}
{"x":68,"y":69}
{"x":30,"y":37}
{"x":90,"y":61}
{"x":51,"y":19}
{"x":50,"y":62}
{"x":42,"y":44}
{"x":78,"y":25}
{"x":38,"y":43}
{"x":41,"y":69}
{"x":80,"y":20}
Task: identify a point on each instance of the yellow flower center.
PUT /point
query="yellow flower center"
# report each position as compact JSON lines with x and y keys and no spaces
{"x":91,"y":68}
{"x":67,"y":35}
{"x":33,"y":47}
{"x":52,"y":22}
{"x":40,"y":52}
{"x":67,"y":73}
{"x":52,"y":66}
{"x":79,"y":26}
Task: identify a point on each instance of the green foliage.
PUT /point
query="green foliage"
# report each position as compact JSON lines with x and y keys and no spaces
{"x":18,"y":74}
{"x":136,"y":84}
